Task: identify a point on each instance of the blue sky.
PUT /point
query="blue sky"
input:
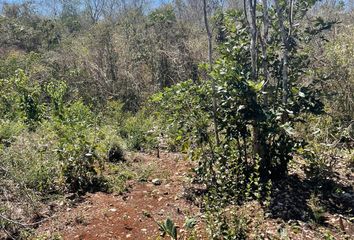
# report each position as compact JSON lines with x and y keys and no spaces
{"x":154,"y":2}
{"x":158,"y":2}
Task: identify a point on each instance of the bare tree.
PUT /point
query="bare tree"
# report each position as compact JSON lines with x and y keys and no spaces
{"x":95,"y":9}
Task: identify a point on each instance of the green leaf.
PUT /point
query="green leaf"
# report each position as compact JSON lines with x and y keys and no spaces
{"x":174,"y":233}
{"x":178,"y":138}
{"x":190,"y":223}
{"x":255,"y":86}
{"x":169,"y":224}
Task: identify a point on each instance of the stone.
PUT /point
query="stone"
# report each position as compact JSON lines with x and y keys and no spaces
{"x":156,"y":181}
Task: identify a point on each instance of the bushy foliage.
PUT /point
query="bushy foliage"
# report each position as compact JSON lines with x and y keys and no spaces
{"x":256,"y":131}
{"x":336,"y":76}
{"x":32,"y":161}
{"x":21,"y":99}
{"x":69,"y":144}
{"x":51,"y":145}
{"x":72,"y":87}
{"x":139,"y":132}
{"x":9,"y":130}
{"x":226,"y":224}
{"x":328,"y":144}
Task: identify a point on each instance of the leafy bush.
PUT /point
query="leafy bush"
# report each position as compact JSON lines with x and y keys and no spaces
{"x":78,"y":144}
{"x":139,"y":132}
{"x":76,"y":151}
{"x":249,"y":139}
{"x":336,"y":76}
{"x":107,"y":141}
{"x":328,"y":143}
{"x":9,"y":130}
{"x":20,"y":99}
{"x":33,"y":162}
{"x":118,"y":176}
{"x":115,"y":153}
{"x":114,"y":114}
{"x":226,"y":224}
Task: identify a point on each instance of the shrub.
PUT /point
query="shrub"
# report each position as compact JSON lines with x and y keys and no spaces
{"x":115,"y":153}
{"x":9,"y":130}
{"x":328,"y":142}
{"x":114,"y":114}
{"x":33,"y":162}
{"x":20,"y":99}
{"x":118,"y":176}
{"x":108,"y":145}
{"x":226,"y":224}
{"x":139,"y":132}
{"x":80,"y":163}
{"x":250,"y":134}
{"x":338,"y":74}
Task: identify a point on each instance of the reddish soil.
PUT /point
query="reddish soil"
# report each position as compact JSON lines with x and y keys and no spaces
{"x":133,"y":214}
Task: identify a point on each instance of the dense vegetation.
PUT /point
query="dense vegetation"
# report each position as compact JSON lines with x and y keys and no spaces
{"x":249,"y":90}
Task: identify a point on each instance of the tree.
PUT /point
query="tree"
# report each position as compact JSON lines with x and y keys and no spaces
{"x":95,"y":9}
{"x":210,"y":59}
{"x":284,"y":37}
{"x":256,"y":135}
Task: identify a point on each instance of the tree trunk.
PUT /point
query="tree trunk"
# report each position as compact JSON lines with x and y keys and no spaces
{"x":285,"y":53}
{"x":253,"y":31}
{"x":210,"y":57}
{"x":264,"y":42}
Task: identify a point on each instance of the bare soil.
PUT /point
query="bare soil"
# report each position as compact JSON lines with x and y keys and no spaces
{"x":133,"y":215}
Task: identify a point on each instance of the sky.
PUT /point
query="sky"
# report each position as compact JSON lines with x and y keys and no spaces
{"x":154,"y":3}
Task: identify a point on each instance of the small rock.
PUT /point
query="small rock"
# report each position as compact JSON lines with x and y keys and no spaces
{"x":146,"y":213}
{"x":113,"y":210}
{"x":155,"y":192}
{"x":156,"y":181}
{"x":294,"y":222}
{"x":182,"y":230}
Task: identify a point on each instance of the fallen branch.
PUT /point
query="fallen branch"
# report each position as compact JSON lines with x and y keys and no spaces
{"x":23,"y":224}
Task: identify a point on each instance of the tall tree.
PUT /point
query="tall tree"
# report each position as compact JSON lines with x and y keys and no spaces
{"x":251,"y":7}
{"x":210,"y":58}
{"x":95,"y":9}
{"x":285,"y":52}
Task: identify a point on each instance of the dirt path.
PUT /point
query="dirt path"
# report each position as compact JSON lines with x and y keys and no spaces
{"x":133,"y":214}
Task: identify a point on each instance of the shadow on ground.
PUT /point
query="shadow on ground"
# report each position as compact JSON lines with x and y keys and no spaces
{"x":291,"y":198}
{"x":321,"y":202}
